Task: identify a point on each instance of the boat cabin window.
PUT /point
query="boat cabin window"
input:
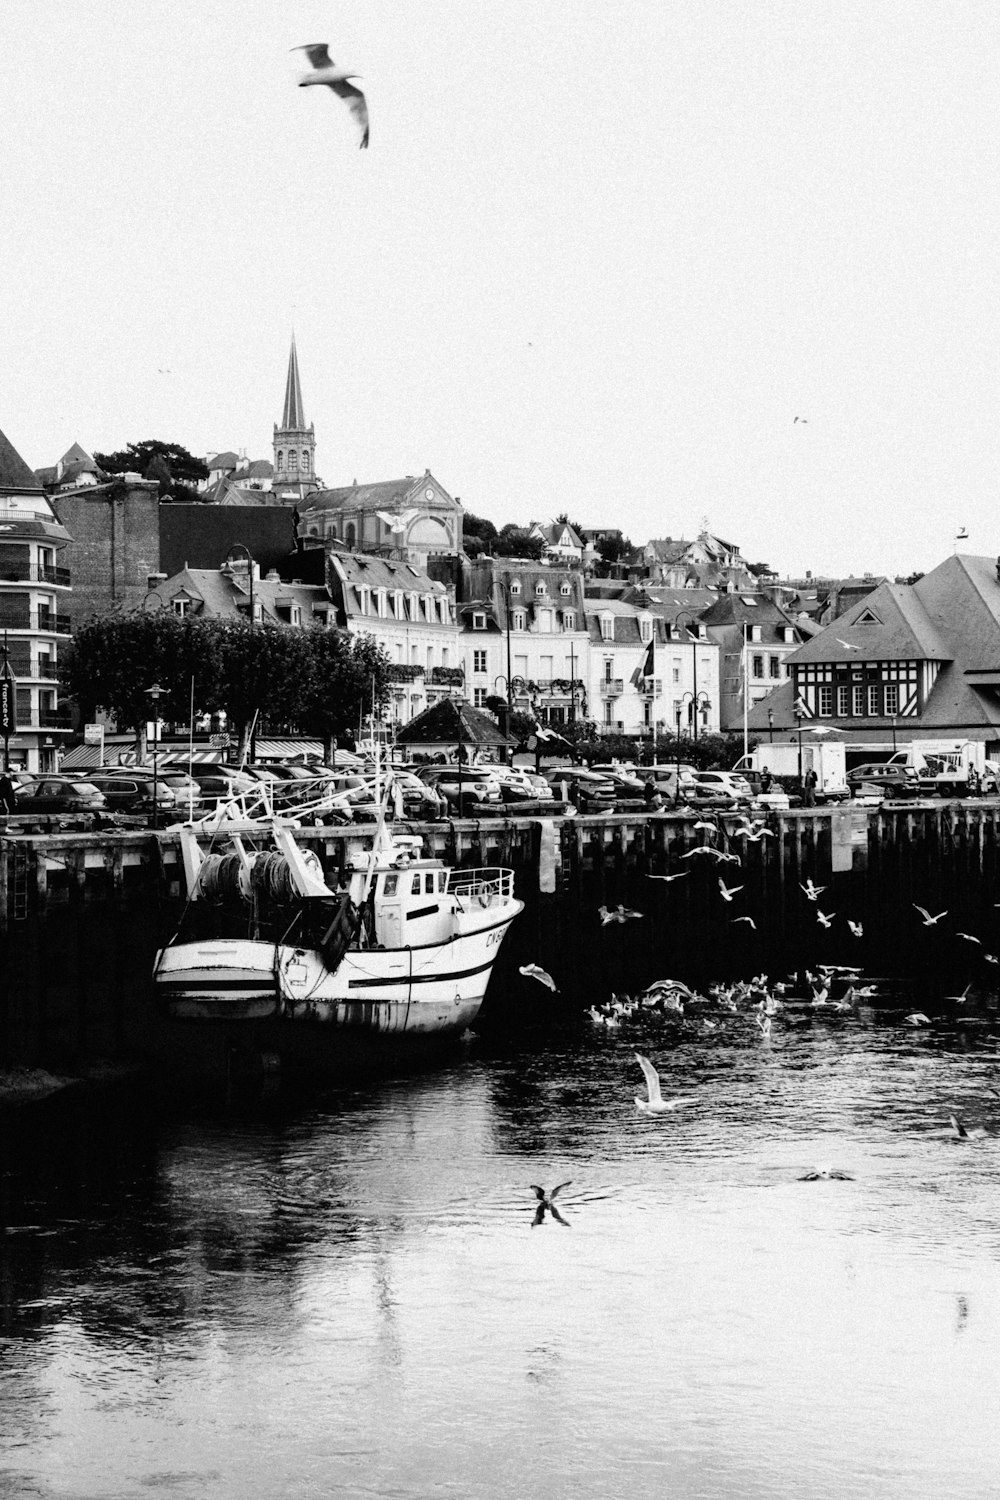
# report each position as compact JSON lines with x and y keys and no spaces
{"x":415,"y":887}
{"x":429,"y":881}
{"x":389,"y":884}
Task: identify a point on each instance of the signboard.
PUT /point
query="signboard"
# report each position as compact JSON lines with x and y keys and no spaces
{"x":93,"y":734}
{"x":8,"y":705}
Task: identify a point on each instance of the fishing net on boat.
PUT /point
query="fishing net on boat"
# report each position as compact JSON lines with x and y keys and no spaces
{"x":219,"y":876}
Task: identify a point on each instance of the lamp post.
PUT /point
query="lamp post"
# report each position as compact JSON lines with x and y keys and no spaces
{"x":692,"y":631}
{"x":242,"y":547}
{"x":156,"y":693}
{"x":770,"y":726}
{"x":695,"y":702}
{"x":893,"y":718}
{"x":677,"y":783}
{"x":798,"y":726}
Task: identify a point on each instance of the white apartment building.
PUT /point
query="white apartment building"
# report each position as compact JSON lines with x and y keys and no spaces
{"x":648,"y":676}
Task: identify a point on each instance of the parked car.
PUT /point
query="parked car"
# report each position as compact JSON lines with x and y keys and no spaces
{"x":586,"y":788}
{"x":516,"y":785}
{"x":729,"y":786}
{"x":186,"y":791}
{"x":886,"y":780}
{"x":420,"y":800}
{"x":135,"y":793}
{"x":59,"y":794}
{"x":475,"y":784}
{"x":628,"y":787}
{"x":219,"y":783}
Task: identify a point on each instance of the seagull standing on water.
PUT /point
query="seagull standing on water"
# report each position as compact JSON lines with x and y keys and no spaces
{"x":654,"y":1104}
{"x":325,"y":71}
{"x":826,"y":1174}
{"x":545,"y":1203}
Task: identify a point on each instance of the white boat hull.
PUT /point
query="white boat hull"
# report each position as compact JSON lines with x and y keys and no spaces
{"x":431,"y":988}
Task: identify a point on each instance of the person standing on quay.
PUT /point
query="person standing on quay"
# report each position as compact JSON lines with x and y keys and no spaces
{"x":8,"y":797}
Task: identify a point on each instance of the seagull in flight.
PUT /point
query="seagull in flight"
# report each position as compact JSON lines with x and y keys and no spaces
{"x":857,"y":929}
{"x":969,"y":938}
{"x":682,"y":875}
{"x":813,"y":892}
{"x":400,"y":522}
{"x":826,"y":1174}
{"x":325,"y":71}
{"x":654,"y":1104}
{"x":823,"y":918}
{"x":532,"y":971}
{"x":847,"y":645}
{"x":929,"y":921}
{"x":545,"y":1203}
{"x":619,"y":914}
{"x":749,"y":920}
{"x":728,"y":891}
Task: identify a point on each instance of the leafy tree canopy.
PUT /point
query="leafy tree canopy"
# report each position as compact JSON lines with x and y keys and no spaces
{"x":563,"y":520}
{"x":175,"y":469}
{"x":514,"y":541}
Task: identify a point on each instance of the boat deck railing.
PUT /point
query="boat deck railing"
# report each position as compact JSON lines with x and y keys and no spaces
{"x":483,"y":882}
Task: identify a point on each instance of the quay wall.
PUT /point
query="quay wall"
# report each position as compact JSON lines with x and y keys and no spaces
{"x":82,"y":914}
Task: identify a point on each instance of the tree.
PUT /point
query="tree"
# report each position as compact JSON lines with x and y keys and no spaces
{"x":175,"y":470}
{"x":347,"y":676}
{"x":611,"y":549}
{"x":514,"y":541}
{"x":115,"y":659}
{"x":563,"y":520}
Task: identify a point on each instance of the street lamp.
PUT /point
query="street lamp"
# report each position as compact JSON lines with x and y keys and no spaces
{"x":156,"y":693}
{"x":696,"y":702}
{"x":770,"y":726}
{"x":692,"y":629}
{"x":893,"y":718}
{"x":242,"y":547}
{"x":798,"y":726}
{"x":677,"y":784}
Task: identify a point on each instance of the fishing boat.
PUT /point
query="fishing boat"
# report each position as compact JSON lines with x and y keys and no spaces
{"x":401,"y":946}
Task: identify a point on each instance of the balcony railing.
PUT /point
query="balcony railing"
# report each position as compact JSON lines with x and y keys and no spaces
{"x":612,"y":687}
{"x":52,"y":718}
{"x":35,"y":573}
{"x":43,"y":621}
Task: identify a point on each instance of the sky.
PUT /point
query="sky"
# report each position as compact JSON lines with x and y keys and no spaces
{"x":597,"y":259}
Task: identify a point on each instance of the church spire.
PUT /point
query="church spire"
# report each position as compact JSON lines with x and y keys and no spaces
{"x":293,"y":418}
{"x":294,"y":442}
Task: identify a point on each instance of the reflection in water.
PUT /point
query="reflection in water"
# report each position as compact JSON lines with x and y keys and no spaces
{"x":346,"y":1296}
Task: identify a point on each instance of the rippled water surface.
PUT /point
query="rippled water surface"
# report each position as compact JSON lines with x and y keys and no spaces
{"x":349,"y":1297}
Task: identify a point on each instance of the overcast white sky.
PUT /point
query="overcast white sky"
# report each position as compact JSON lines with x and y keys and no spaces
{"x":598,"y":257}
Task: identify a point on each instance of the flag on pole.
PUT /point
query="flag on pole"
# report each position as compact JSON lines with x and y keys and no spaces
{"x":645,"y":667}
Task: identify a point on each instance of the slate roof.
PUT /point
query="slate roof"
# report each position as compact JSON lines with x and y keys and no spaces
{"x":904,"y":632}
{"x":625,"y":624}
{"x":384,"y":573}
{"x":452,"y":721}
{"x":223,"y":596}
{"x":14,"y":472}
{"x":666,"y":550}
{"x":382,"y":495}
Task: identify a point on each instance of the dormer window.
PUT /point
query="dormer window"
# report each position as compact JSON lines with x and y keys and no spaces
{"x":517,"y":619}
{"x":646,"y":629}
{"x":755,"y":633}
{"x":565,"y":589}
{"x":540,"y":587}
{"x":607,"y":628}
{"x":569,"y":619}
{"x":515,"y":586}
{"x":478,"y":622}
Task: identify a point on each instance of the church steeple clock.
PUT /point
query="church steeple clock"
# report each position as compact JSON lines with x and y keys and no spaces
{"x":294,"y":442}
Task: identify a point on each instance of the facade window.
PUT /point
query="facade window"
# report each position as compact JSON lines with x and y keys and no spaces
{"x":607,"y":628}
{"x":305,"y":462}
{"x":609,"y":668}
{"x":517,"y":619}
{"x":478,"y":622}
{"x":892,"y":697}
{"x":540,"y":587}
{"x":755,"y":633}
{"x":824,"y":700}
{"x":281,"y":459}
{"x":350,"y":534}
{"x":479,"y":696}
{"x":872,"y":700}
{"x":479,"y":661}
{"x":293,"y":460}
{"x":676,"y":674}
{"x":843,"y":702}
{"x":180,"y":606}
{"x":758,"y":666}
{"x":858,"y":702}
{"x":515,"y":586}
{"x":565,"y":589}
{"x":646,"y":631}
{"x":774,"y":666}
{"x":609,"y":709}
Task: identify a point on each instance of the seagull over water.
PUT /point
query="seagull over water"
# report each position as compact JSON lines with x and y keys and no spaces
{"x":826,"y":1174}
{"x":325,"y":71}
{"x":928,"y":919}
{"x":654,"y":1104}
{"x":728,"y":891}
{"x":533,"y":971}
{"x":813,"y":892}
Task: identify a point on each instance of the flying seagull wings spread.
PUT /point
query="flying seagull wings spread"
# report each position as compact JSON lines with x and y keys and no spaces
{"x":651,"y":1076}
{"x":318,"y":54}
{"x":357,"y":104}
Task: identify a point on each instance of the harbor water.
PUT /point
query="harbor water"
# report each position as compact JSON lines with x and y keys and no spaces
{"x":349,"y":1294}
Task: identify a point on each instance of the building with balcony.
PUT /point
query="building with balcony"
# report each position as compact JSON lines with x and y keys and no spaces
{"x":524,"y":624}
{"x":648,"y":673}
{"x":34,"y":612}
{"x":411,"y":615}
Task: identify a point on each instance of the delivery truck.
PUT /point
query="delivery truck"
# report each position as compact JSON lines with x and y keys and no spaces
{"x":781,"y":759}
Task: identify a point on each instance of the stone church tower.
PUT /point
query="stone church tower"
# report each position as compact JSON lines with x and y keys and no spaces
{"x":294,"y":442}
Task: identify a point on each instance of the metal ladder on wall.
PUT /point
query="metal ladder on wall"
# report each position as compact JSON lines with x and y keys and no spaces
{"x":19,"y":883}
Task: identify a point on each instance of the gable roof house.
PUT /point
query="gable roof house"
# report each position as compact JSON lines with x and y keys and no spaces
{"x":918,"y":660}
{"x":755,"y":636}
{"x":561,"y":545}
